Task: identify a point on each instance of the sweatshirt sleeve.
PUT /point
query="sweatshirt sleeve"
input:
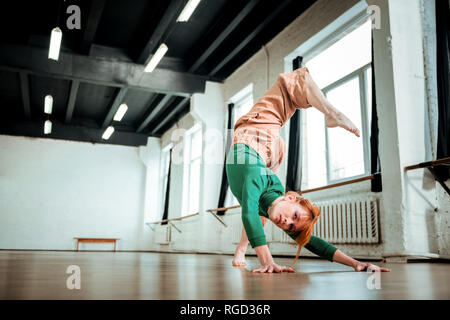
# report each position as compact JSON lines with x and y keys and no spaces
{"x":317,"y":246}
{"x":293,"y":85}
{"x":321,"y":248}
{"x":251,"y":193}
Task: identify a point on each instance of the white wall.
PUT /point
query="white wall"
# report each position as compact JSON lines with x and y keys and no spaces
{"x":199,"y":233}
{"x":54,"y":190}
{"x":408,"y":70}
{"x":442,"y":221}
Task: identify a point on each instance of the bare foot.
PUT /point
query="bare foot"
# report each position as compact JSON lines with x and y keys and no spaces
{"x":340,"y":120}
{"x":239,"y":257}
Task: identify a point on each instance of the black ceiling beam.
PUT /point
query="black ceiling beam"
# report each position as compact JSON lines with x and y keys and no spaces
{"x":63,"y":131}
{"x":25,"y":90}
{"x":93,"y":19}
{"x":172,"y":113}
{"x":223,"y":35}
{"x":168,"y":20}
{"x":114,"y":106}
{"x":72,"y":99}
{"x":250,"y":37}
{"x":154,"y":112}
{"x":105,"y":72}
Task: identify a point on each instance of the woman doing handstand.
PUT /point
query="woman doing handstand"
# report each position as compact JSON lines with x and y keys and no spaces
{"x":253,"y":162}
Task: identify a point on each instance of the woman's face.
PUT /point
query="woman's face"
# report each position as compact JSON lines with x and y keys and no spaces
{"x":289,"y":215}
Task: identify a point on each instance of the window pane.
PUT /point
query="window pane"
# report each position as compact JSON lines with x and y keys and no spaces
{"x":343,"y":57}
{"x":346,"y":154}
{"x":196,"y":144}
{"x":194,"y":185}
{"x":314,"y":149}
{"x":243,"y":107}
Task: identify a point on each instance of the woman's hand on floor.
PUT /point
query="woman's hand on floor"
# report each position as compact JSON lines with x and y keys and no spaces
{"x":273,"y":268}
{"x":363,"y":266}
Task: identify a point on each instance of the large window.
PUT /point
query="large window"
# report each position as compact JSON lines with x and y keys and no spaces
{"x":343,"y":71}
{"x":192,"y":170}
{"x":243,"y":102}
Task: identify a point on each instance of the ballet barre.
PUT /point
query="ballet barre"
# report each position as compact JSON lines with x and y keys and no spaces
{"x":170,"y":221}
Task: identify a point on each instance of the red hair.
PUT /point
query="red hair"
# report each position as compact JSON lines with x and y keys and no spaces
{"x":306,"y":233}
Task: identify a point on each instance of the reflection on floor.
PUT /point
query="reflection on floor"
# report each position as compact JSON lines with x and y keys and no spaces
{"x":156,"y":276}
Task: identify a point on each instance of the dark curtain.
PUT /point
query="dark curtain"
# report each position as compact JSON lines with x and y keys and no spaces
{"x":375,"y":168}
{"x":166,"y":201}
{"x":224,"y":185}
{"x":294,"y":169}
{"x":443,"y":44}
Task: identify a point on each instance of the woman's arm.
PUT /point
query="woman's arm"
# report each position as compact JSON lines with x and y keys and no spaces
{"x":251,"y":193}
{"x":327,"y":251}
{"x":342,"y":258}
{"x":321,"y":248}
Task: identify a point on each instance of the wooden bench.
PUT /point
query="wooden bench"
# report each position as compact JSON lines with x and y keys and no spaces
{"x":97,"y":240}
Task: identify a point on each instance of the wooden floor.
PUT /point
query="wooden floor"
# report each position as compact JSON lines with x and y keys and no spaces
{"x":156,"y":276}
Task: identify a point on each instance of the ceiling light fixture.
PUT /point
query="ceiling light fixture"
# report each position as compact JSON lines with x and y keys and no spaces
{"x":48,"y":104}
{"x":188,"y":9}
{"x":108,"y":132}
{"x":55,"y":43}
{"x":120,"y":112}
{"x":156,"y":58}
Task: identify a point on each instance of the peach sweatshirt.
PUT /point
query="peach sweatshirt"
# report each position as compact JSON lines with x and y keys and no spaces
{"x":260,"y":127}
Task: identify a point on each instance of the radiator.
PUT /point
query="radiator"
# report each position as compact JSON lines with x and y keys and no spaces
{"x":163,"y":234}
{"x":352,"y":220}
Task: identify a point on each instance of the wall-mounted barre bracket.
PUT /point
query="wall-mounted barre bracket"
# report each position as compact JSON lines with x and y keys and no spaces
{"x":438,"y":179}
{"x":170,"y":223}
{"x":431,"y":166}
{"x":220,"y":220}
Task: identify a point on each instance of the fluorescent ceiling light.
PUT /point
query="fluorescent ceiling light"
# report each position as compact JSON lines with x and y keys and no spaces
{"x":156,"y":58}
{"x":47,"y":127}
{"x":120,"y":112}
{"x":108,"y":132}
{"x":48,"y":105}
{"x":55,"y":44}
{"x":188,"y":10}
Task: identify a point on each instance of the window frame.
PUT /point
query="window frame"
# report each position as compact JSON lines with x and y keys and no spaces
{"x":238,"y":100}
{"x":361,"y":73}
{"x":240,"y":103}
{"x":189,"y":135}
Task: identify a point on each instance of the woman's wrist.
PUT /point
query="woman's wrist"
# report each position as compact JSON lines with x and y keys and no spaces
{"x":264,"y":255}
{"x":342,"y":258}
